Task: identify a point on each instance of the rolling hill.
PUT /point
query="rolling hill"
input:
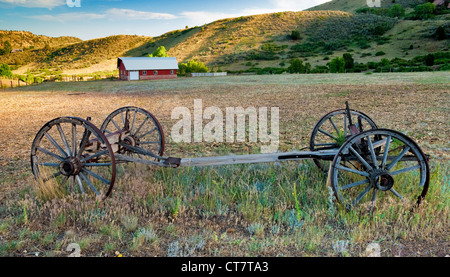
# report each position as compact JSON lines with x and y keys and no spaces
{"x":353,"y":5}
{"x":238,"y":44}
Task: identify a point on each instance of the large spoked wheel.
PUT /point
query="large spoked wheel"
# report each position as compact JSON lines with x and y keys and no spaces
{"x":398,"y":171}
{"x":333,"y":129}
{"x":73,"y":155}
{"x":142,"y":136}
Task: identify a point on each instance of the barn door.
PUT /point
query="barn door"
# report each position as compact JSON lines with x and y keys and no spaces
{"x":134,"y":75}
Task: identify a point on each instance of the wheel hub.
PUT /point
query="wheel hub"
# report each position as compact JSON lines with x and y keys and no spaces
{"x":70,"y":166}
{"x":382,"y":179}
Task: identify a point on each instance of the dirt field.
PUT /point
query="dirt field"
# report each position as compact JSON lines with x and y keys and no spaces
{"x":418,"y":104}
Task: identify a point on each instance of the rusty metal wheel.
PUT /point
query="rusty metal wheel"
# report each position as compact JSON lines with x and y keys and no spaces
{"x":142,"y":135}
{"x":333,"y":129}
{"x":71,"y":154}
{"x":399,"y":171}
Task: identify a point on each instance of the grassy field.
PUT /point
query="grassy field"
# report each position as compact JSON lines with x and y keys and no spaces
{"x":247,"y":210}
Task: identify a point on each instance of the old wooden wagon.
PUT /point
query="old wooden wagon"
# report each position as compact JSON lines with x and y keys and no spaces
{"x":364,"y":163}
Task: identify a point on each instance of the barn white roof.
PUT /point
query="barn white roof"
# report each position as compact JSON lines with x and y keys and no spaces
{"x":147,"y":63}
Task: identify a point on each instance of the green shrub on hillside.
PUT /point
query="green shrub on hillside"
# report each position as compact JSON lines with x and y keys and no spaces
{"x":337,"y":65}
{"x":348,"y":59}
{"x":159,"y":52}
{"x":295,"y":35}
{"x":5,"y":70}
{"x":296,"y":66}
{"x":424,"y":11}
{"x":396,"y":10}
{"x":440,"y":33}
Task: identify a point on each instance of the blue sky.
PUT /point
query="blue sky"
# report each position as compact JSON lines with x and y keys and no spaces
{"x":88,"y":19}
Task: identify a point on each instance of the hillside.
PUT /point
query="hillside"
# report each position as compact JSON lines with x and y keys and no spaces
{"x":27,"y":40}
{"x":353,"y":5}
{"x":242,"y":43}
{"x":67,"y":54}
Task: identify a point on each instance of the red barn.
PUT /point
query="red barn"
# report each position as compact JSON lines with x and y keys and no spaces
{"x":146,"y":68}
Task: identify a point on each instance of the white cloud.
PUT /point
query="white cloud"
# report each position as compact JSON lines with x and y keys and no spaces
{"x":112,"y":14}
{"x":67,"y":17}
{"x":204,"y":17}
{"x":36,"y":3}
{"x":137,"y":15}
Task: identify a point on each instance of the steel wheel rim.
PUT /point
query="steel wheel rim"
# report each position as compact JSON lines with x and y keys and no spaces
{"x":401,"y":173}
{"x":72,"y":154}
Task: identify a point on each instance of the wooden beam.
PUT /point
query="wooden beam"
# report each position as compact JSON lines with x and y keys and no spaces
{"x":259,"y":158}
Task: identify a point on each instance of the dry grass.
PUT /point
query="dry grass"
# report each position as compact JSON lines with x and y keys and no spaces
{"x":217,"y":212}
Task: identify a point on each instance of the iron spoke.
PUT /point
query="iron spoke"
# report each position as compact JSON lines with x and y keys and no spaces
{"x":50,"y":164}
{"x":74,"y":139}
{"x":152,"y":130}
{"x":352,"y":170}
{"x":396,"y":193}
{"x":54,"y":175}
{"x":97,"y":164}
{"x":326,"y":133}
{"x":361,"y":195}
{"x":96,"y":176}
{"x":86,"y":179}
{"x":63,"y":138}
{"x":405,"y":170}
{"x":115,"y":124}
{"x":355,"y":184}
{"x":80,"y":183}
{"x":50,"y":153}
{"x":132,"y":123}
{"x":360,"y":158}
{"x":398,"y":158}
{"x":372,"y":152}
{"x":386,"y":151}
{"x":334,"y":126}
{"x":139,"y":129}
{"x":56,"y":145}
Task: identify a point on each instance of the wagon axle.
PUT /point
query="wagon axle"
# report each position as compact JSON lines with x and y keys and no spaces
{"x":364,"y":162}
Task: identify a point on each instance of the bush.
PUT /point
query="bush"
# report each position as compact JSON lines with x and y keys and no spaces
{"x":295,"y":35}
{"x":5,"y":70}
{"x":380,"y":53}
{"x":396,"y":10}
{"x":424,"y":11}
{"x":440,"y":33}
{"x":349,"y":62}
{"x":192,"y":66}
{"x":320,"y":69}
{"x":359,"y":67}
{"x":429,"y":60}
{"x":296,"y":66}
{"x":337,"y":65}
{"x":159,"y":52}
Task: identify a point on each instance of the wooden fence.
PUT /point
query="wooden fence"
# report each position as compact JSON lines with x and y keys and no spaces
{"x":11,"y":83}
{"x":210,"y":74}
